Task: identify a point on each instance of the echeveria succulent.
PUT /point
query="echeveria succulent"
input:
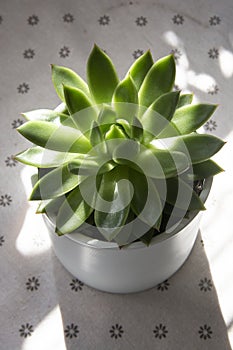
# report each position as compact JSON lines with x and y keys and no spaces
{"x":121,"y":155}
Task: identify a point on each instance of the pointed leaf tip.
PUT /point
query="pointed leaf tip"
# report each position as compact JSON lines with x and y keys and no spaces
{"x":101,"y":75}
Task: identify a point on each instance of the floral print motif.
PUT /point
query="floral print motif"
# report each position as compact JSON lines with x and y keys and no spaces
{"x":213,"y":53}
{"x":32,"y":284}
{"x":5,"y":200}
{"x":215,"y":20}
{"x":16,"y":123}
{"x":213,"y":90}
{"x":205,"y":332}
{"x":178,"y":19}
{"x":64,"y":52}
{"x":163,"y":286}
{"x":29,"y":54}
{"x":137,"y":53}
{"x":23,"y":88}
{"x":104,"y":20}
{"x":160,"y":331}
{"x":33,"y":20}
{"x":176,"y":53}
{"x":68,"y":18}
{"x":11,"y":162}
{"x":205,"y":285}
{"x":71,"y":331}
{"x":2,"y":240}
{"x":141,"y":21}
{"x":211,"y":125}
{"x":116,"y":331}
{"x":26,"y":330}
{"x":76,"y":285}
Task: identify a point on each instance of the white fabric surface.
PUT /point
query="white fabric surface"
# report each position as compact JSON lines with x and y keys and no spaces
{"x":39,"y":301}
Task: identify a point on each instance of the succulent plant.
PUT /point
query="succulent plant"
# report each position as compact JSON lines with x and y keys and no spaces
{"x":121,"y":155}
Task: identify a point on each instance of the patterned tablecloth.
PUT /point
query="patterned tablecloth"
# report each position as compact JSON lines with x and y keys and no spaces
{"x":42,"y":305}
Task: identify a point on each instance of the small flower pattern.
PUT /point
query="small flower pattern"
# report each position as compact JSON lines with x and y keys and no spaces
{"x":29,"y":54}
{"x":214,"y":20}
{"x":26,"y":330}
{"x":178,"y":19}
{"x":213,"y":53}
{"x":104,"y":20}
{"x":176,"y":53}
{"x":176,"y":87}
{"x":160,"y":331}
{"x":5,"y":200}
{"x":23,"y":88}
{"x":11,"y":162}
{"x":141,"y":21}
{"x":137,"y":53}
{"x":163,"y":286}
{"x":76,"y":285}
{"x":16,"y":123}
{"x":38,"y":241}
{"x":32,"y":284}
{"x":2,"y":240}
{"x":33,"y":20}
{"x":68,"y":18}
{"x":211,"y":125}
{"x":71,"y":331}
{"x":205,"y":332}
{"x":213,"y":89}
{"x":116,"y":331}
{"x":64,"y":52}
{"x":205,"y":285}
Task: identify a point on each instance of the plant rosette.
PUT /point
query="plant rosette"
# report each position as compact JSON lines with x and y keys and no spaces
{"x":123,"y":172}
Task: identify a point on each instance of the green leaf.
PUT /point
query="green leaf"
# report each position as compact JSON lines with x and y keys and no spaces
{"x":106,"y":118}
{"x":181,"y":195}
{"x":124,"y":126}
{"x":172,"y":163}
{"x":140,"y":67}
{"x":125,"y":99}
{"x":75,"y":99}
{"x":50,"y":206}
{"x":46,"y":115}
{"x":137,"y":129}
{"x":96,"y":136}
{"x":147,"y":237}
{"x":206,"y":169}
{"x":90,"y":166}
{"x":58,"y":138}
{"x":65,"y":76}
{"x":158,"y":81}
{"x":200,"y":147}
{"x":101,"y":76}
{"x":146,"y":202}
{"x":54,"y":184}
{"x":113,"y":202}
{"x":155,"y":163}
{"x":74,"y":211}
{"x":43,"y":158}
{"x":156,"y":117}
{"x":125,"y":151}
{"x":189,"y":118}
{"x":185,"y":99}
{"x":80,"y":107}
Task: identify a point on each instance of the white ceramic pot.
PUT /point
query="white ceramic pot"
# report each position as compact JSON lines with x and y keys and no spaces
{"x":134,"y":268}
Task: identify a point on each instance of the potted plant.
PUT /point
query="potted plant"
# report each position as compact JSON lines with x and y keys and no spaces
{"x":123,"y":173}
